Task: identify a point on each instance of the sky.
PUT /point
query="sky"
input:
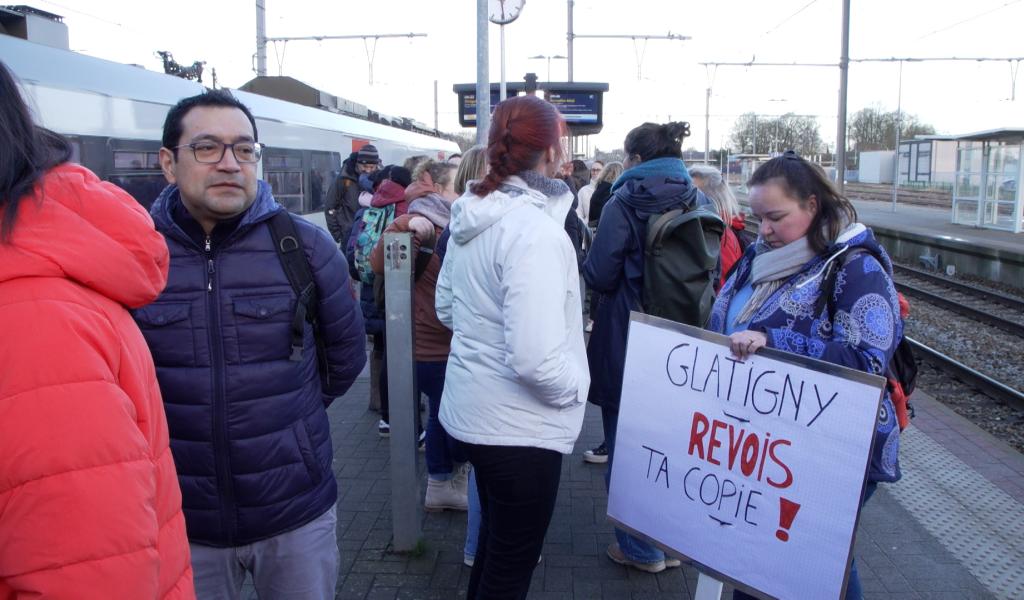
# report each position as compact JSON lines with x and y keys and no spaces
{"x":659,"y":80}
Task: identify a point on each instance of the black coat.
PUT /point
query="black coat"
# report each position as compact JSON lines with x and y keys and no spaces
{"x":602,"y":192}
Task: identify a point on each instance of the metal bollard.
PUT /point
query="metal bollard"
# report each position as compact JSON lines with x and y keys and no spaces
{"x":406,"y":508}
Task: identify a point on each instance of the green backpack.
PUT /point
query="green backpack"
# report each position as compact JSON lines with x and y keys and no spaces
{"x":371,"y":228}
{"x":681,"y":263}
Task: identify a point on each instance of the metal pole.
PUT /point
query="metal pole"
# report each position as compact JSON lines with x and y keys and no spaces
{"x":570,"y":36}
{"x":405,"y":483}
{"x":483,"y":78}
{"x":844,"y":71}
{"x":436,"y":128}
{"x":261,"y":38}
{"x":896,"y":155}
{"x":753,"y":149}
{"x":502,"y":94}
{"x":707,"y":131}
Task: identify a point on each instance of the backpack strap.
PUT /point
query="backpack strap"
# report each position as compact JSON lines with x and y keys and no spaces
{"x":828,"y":283}
{"x":289,"y":251}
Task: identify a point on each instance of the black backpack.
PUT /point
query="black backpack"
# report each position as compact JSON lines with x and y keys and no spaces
{"x":681,"y":263}
{"x":289,"y":251}
{"x":901,"y":373}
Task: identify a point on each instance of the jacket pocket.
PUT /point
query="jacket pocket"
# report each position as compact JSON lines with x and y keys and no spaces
{"x":307,"y":451}
{"x":262,"y":327}
{"x":167,"y":327}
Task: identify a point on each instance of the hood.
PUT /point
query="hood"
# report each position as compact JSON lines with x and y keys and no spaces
{"x":261,"y":209}
{"x":472,"y":215}
{"x":388,"y":192}
{"x":855,"y":236}
{"x":434,"y":207}
{"x":90,"y":232}
{"x":417,"y":189}
{"x":656,"y":186}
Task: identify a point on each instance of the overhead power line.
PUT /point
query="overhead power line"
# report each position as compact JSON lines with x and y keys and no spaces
{"x":786,"y":20}
{"x":969,"y":19}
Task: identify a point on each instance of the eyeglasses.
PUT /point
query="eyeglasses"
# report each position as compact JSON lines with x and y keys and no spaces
{"x":211,"y":152}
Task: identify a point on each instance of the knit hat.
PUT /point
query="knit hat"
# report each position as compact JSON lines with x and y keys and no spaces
{"x":368,"y":155}
{"x":395,"y":173}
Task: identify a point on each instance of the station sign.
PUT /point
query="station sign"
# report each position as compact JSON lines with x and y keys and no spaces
{"x":581,"y":104}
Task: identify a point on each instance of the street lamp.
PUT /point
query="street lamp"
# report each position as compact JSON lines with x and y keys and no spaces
{"x":548,"y":58}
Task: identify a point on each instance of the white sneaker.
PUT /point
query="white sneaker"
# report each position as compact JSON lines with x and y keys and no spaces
{"x":442,"y":495}
{"x":383,"y":429}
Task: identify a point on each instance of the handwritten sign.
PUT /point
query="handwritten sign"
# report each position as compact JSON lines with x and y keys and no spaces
{"x":753,"y":469}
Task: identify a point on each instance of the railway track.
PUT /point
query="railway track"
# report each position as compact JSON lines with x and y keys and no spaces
{"x":998,"y":310}
{"x":972,"y":377}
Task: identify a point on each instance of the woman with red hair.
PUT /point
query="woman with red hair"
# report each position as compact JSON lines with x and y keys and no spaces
{"x":517,"y":375}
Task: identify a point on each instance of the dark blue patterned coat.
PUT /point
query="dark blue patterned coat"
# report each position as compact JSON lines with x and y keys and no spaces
{"x":249,"y":429}
{"x":862,"y":334}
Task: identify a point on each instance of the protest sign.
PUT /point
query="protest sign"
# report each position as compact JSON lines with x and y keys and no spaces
{"x":752,"y":469}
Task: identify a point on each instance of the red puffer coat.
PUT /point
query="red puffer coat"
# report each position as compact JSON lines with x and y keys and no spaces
{"x":89,"y":499}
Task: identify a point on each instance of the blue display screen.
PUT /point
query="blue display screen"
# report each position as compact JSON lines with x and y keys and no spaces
{"x":577,"y":107}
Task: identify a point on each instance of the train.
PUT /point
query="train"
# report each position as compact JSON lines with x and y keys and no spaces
{"x":113,"y":114}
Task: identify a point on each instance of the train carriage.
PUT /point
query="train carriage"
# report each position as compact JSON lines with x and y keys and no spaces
{"x":114,"y":114}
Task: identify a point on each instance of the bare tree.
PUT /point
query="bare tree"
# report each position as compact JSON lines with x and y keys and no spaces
{"x":872,"y":128}
{"x":776,"y":134}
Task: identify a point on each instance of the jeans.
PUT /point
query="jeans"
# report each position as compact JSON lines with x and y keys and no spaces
{"x":518,"y":486}
{"x":443,"y":451}
{"x":298,"y":564}
{"x":853,"y":589}
{"x":634,"y":548}
{"x":472,"y":518}
{"x":380,"y":350}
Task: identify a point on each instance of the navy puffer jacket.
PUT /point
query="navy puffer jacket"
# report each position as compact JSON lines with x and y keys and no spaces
{"x":249,"y":429}
{"x":614,"y":268}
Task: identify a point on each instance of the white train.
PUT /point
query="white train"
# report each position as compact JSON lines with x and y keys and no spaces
{"x":114,"y":114}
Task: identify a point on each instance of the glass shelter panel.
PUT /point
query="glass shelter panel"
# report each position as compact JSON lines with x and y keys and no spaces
{"x":1000,"y":203}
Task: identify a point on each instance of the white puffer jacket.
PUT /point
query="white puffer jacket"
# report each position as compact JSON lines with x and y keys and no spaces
{"x":509,"y":290}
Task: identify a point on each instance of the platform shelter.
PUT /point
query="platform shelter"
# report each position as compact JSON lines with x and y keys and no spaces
{"x":987,"y":190}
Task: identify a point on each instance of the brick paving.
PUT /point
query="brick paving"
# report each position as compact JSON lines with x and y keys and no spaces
{"x":898,"y":559}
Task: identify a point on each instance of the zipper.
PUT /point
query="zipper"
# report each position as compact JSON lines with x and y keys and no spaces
{"x":220,"y":420}
{"x":207,"y":247}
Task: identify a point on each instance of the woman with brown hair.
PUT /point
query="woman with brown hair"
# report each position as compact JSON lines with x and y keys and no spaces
{"x":517,"y":374}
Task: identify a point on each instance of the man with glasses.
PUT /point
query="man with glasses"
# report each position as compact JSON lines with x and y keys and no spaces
{"x":343,"y":196}
{"x":245,"y":399}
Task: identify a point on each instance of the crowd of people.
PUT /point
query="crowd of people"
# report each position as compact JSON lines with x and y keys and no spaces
{"x":180,"y":443}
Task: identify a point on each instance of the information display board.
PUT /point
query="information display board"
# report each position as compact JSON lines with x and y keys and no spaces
{"x":467,"y":106}
{"x":577,"y":107}
{"x":752,"y":469}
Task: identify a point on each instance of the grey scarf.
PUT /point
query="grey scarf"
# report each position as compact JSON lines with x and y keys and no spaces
{"x":435,"y":208}
{"x":549,"y":187}
{"x":770,"y":269}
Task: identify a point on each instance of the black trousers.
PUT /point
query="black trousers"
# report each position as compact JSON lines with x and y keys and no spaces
{"x":518,"y":486}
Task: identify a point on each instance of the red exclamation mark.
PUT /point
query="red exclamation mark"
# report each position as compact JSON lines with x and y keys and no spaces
{"x":787,"y":512}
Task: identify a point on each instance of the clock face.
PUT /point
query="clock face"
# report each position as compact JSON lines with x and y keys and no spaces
{"x":503,"y":12}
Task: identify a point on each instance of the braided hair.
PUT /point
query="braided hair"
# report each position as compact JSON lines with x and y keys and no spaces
{"x":522,"y":130}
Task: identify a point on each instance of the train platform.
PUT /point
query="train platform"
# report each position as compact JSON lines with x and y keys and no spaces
{"x":952,"y":528}
{"x":928,"y":221}
{"x":925,"y":236}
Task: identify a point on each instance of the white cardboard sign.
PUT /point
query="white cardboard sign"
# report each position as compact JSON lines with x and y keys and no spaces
{"x":752,"y":469}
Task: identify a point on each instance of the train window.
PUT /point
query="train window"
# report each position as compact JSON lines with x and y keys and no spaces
{"x":287,"y":188}
{"x":321,"y":175}
{"x":282,"y":162}
{"x":136,"y":160}
{"x":76,"y":151}
{"x":144,"y":188}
